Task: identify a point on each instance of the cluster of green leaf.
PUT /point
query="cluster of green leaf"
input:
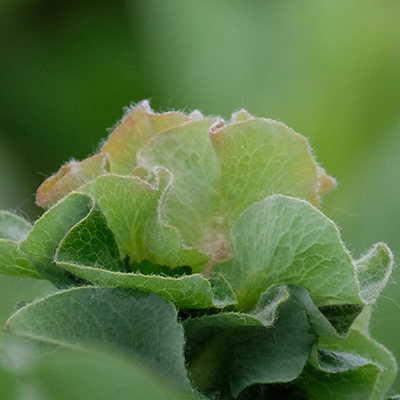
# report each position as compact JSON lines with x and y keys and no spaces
{"x":193,"y":248}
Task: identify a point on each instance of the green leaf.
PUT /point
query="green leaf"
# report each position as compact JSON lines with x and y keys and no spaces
{"x":136,"y":323}
{"x":137,"y":127}
{"x":70,"y":177}
{"x":42,"y":242}
{"x":13,"y":227}
{"x":14,"y":262}
{"x":90,"y":252}
{"x":80,"y":375}
{"x":231,"y":351}
{"x":192,"y":201}
{"x":355,"y":368}
{"x":130,"y":206}
{"x":341,"y":316}
{"x":118,"y":154}
{"x":373,"y":271}
{"x":286,"y":240}
{"x":215,"y":171}
{"x":260,"y":157}
{"x":90,"y":242}
{"x":188,"y":291}
{"x":318,"y":321}
{"x":8,"y":384}
{"x":100,"y":377}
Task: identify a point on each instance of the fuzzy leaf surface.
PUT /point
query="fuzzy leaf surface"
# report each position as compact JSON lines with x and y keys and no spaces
{"x":191,"y":203}
{"x":286,"y":240}
{"x":233,"y":351}
{"x":373,"y":271}
{"x":13,"y":227}
{"x":130,"y":207}
{"x":90,"y":242}
{"x":133,"y":322}
{"x":188,"y":291}
{"x":354,"y":368}
{"x":260,"y":157}
{"x":43,"y":240}
{"x":216,"y":170}
{"x":14,"y":262}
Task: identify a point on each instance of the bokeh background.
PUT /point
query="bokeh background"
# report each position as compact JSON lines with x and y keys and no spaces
{"x":329,"y":69}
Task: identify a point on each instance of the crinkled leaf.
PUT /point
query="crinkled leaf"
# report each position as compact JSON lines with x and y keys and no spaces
{"x":70,"y":177}
{"x":13,"y":227}
{"x":135,"y":130}
{"x":286,"y":240}
{"x":188,"y":291}
{"x":373,"y":271}
{"x":217,"y":171}
{"x":14,"y":262}
{"x":232,"y":351}
{"x":337,"y":361}
{"x":130,"y":207}
{"x":90,"y":242}
{"x":355,"y":368}
{"x":133,"y":322}
{"x":118,"y":154}
{"x":90,"y":252}
{"x":260,"y":157}
{"x":192,"y":202}
{"x":42,"y":242}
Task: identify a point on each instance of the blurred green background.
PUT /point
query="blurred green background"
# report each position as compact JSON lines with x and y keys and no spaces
{"x":329,"y":69}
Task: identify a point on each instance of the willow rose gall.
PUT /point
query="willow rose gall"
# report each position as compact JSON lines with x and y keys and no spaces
{"x":217,"y":221}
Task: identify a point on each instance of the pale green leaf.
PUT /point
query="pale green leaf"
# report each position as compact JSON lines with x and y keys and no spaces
{"x":286,"y":240}
{"x":260,"y":157}
{"x":90,"y":252}
{"x":47,"y":233}
{"x":192,"y":202}
{"x":70,"y":177}
{"x":355,"y":368}
{"x":135,"y":130}
{"x":130,"y":321}
{"x":14,"y":262}
{"x":188,"y":291}
{"x":373,"y":272}
{"x":13,"y":227}
{"x":130,"y":206}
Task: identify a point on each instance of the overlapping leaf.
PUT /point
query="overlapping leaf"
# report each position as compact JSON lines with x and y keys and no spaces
{"x":286,"y":240}
{"x":217,"y":171}
{"x":129,"y":321}
{"x":356,"y":368}
{"x":14,"y":229}
{"x":130,"y":206}
{"x":43,"y":240}
{"x":206,"y":215}
{"x":233,"y":351}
